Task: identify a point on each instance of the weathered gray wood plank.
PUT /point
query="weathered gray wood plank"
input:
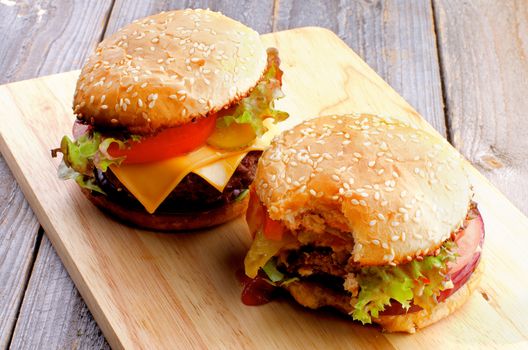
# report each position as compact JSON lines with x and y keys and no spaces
{"x":18,"y":234}
{"x":484,"y":50}
{"x":257,"y":14}
{"x":396,"y":38}
{"x":54,"y":315}
{"x":44,"y":37}
{"x":37,"y":38}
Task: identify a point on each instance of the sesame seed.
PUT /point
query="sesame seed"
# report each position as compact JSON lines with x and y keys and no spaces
{"x":395,"y":223}
{"x":371,"y":163}
{"x":103,"y":98}
{"x":336,"y":178}
{"x":92,"y":98}
{"x":173,"y":97}
{"x":362,"y":203}
{"x":355,"y":201}
{"x":394,"y":238}
{"x":384,"y":245}
{"x":151,"y":104}
{"x":375,"y":242}
{"x":312,"y":192}
{"x":372,"y":223}
{"x":140,"y":102}
{"x":381,"y":217}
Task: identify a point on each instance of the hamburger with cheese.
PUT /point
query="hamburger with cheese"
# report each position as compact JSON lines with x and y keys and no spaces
{"x":369,"y":216}
{"x":173,"y":112}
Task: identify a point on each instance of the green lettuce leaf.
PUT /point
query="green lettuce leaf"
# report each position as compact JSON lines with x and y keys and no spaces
{"x":260,"y":104}
{"x":242,"y":195}
{"x":275,"y":276}
{"x":418,"y":281}
{"x":81,"y":156}
{"x":270,"y":269}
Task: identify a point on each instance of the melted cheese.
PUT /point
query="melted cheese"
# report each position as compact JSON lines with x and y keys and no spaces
{"x":152,"y":182}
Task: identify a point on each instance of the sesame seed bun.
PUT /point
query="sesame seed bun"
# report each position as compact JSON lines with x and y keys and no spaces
{"x":169,"y":221}
{"x":164,"y":70}
{"x":397,"y":191}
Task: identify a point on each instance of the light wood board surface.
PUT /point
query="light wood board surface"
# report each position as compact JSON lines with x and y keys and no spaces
{"x":175,"y":291}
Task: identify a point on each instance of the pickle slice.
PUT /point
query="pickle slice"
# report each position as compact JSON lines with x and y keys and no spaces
{"x":234,"y":137}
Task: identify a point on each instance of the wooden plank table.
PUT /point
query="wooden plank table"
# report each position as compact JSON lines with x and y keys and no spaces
{"x":463,"y":65}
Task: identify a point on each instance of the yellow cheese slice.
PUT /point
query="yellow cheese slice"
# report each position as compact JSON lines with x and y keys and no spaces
{"x":152,"y":182}
{"x":219,"y":173}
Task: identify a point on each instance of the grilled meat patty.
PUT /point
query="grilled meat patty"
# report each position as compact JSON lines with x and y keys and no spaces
{"x":193,"y":193}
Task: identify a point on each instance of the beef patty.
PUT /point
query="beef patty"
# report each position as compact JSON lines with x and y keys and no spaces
{"x":193,"y":193}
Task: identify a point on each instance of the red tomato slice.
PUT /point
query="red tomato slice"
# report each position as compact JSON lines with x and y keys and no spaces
{"x":468,"y":241}
{"x":273,"y":230}
{"x":168,"y":143}
{"x":255,"y":214}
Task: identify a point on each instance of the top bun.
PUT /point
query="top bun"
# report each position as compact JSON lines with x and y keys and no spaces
{"x":164,"y":70}
{"x":398,"y":190}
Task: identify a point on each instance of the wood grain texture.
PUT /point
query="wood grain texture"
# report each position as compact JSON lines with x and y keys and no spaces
{"x":176,"y":291}
{"x":484,"y":50}
{"x":54,"y":315}
{"x":44,"y":37}
{"x":18,"y":235}
{"x":256,"y":14}
{"x":36,"y":38}
{"x":396,"y":38}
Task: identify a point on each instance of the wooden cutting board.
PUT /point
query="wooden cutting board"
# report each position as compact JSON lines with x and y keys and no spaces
{"x":150,"y":290}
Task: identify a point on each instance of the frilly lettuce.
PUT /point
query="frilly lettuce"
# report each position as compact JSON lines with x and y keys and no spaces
{"x":259,"y":105}
{"x":419,"y":282}
{"x":82,"y":155}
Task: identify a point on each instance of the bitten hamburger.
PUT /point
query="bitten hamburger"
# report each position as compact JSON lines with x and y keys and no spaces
{"x":369,"y":216}
{"x":173,"y":112}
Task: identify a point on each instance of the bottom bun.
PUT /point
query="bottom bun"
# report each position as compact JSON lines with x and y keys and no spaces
{"x":411,"y":322}
{"x":314,"y":296}
{"x":169,"y":221}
